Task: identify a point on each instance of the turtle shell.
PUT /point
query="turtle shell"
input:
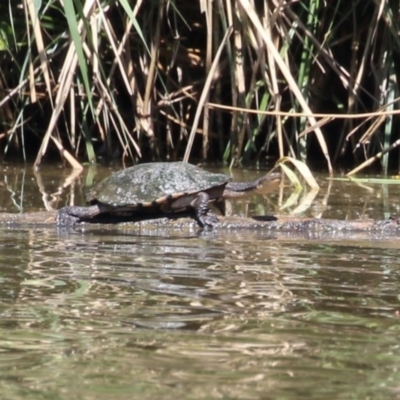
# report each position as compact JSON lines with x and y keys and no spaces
{"x":147,"y":184}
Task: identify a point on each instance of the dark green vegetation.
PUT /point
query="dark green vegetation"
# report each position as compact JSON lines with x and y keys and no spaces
{"x":155,"y":189}
{"x":147,"y":79}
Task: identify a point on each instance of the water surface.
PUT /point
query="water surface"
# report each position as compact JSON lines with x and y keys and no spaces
{"x":120,"y":313}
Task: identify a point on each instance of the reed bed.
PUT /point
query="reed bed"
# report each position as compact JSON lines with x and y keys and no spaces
{"x":234,"y":81}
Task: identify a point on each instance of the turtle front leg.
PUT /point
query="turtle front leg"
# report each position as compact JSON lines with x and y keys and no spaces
{"x":203,"y":215}
{"x":69,"y":216}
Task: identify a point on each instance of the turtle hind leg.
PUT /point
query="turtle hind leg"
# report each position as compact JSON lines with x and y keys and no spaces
{"x":65,"y":218}
{"x":69,"y":216}
{"x":203,"y":215}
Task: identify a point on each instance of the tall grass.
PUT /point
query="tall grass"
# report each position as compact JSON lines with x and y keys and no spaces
{"x":152,"y":80}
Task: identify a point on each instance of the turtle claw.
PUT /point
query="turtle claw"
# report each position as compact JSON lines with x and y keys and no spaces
{"x":208,"y":220}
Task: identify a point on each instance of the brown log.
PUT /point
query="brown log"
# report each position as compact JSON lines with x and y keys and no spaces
{"x":280,"y":223}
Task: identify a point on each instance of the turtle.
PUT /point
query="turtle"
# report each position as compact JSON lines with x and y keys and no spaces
{"x":160,"y":189}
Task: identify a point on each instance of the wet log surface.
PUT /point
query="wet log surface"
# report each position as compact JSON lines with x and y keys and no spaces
{"x":288,"y":224}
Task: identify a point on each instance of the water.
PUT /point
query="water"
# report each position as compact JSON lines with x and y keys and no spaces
{"x":118,"y":313}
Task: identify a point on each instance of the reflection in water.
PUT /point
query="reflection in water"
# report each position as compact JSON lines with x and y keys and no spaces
{"x":101,"y":313}
{"x":232,"y":315}
{"x":25,"y":190}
